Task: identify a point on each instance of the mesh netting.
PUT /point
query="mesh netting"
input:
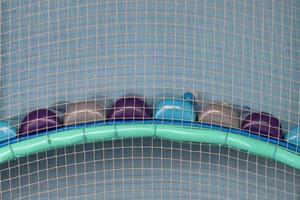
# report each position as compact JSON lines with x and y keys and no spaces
{"x":147,"y":169}
{"x":72,"y":70}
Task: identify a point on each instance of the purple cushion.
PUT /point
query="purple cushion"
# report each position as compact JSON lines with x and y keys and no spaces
{"x":130,"y":108}
{"x":262,"y":123}
{"x":39,"y":120}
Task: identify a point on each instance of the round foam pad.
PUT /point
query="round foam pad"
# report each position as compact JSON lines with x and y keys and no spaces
{"x":83,"y":112}
{"x":39,"y":120}
{"x":262,"y":123}
{"x":223,"y":115}
{"x":130,"y":108}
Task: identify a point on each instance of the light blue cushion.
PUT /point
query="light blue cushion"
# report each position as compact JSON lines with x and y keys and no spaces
{"x":6,"y":132}
{"x":175,"y":109}
{"x":294,"y":135}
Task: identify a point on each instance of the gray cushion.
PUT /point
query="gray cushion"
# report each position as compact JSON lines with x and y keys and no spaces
{"x":219,"y":114}
{"x":83,"y":112}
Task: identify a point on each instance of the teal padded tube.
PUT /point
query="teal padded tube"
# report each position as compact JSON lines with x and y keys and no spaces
{"x":287,"y":157}
{"x":189,"y":134}
{"x":251,"y":145}
{"x":67,"y":138}
{"x":31,"y":146}
{"x":170,"y":132}
{"x":138,"y":130}
{"x":6,"y":154}
{"x":95,"y":134}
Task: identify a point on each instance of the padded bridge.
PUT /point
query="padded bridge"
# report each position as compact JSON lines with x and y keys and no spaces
{"x":81,"y":134}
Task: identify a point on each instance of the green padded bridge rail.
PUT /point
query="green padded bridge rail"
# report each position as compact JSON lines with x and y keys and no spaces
{"x":169,"y":132}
